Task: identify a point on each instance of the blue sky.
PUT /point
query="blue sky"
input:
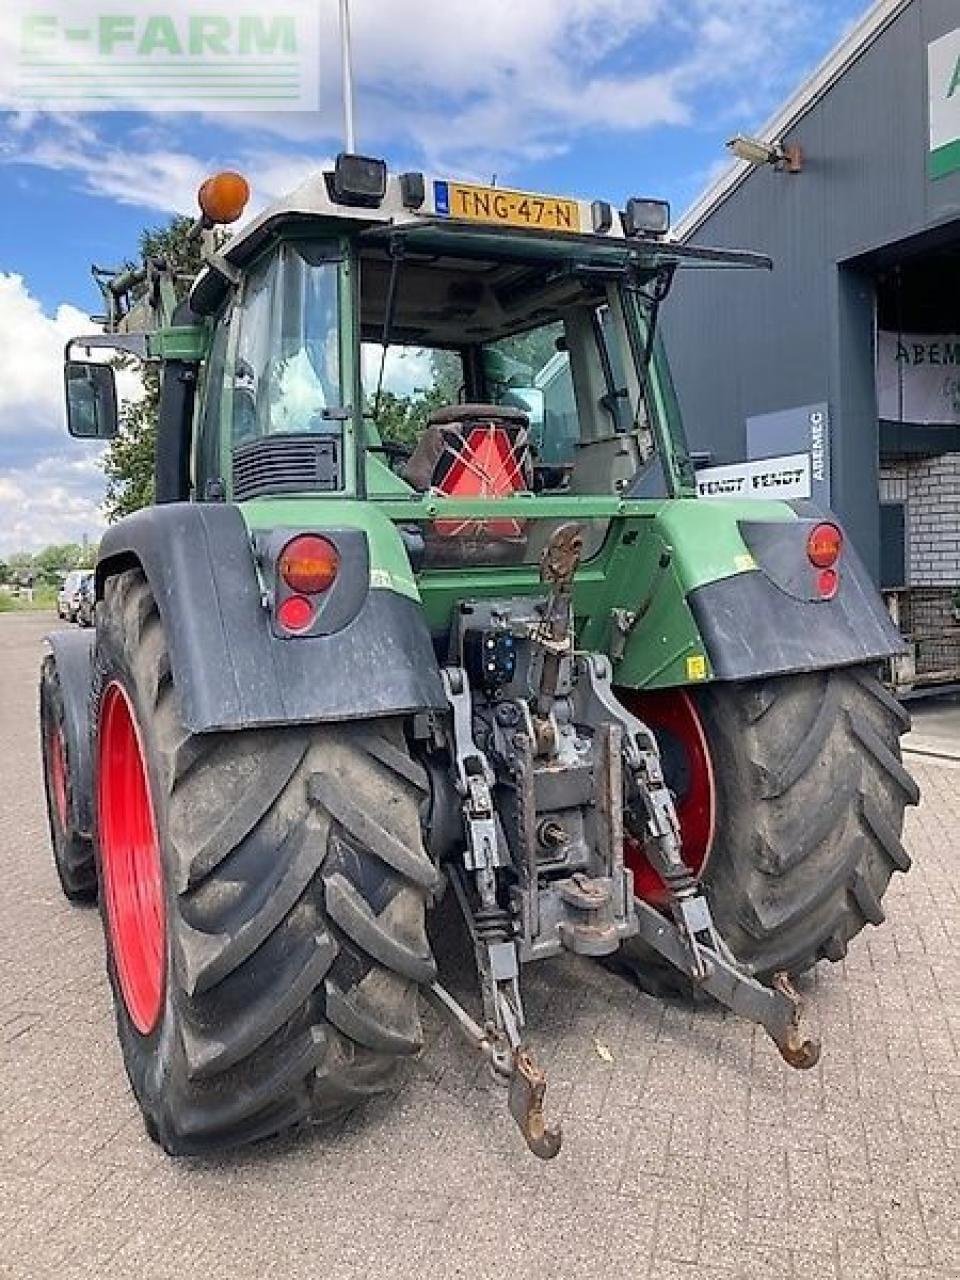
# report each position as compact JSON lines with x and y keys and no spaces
{"x":588,"y":97}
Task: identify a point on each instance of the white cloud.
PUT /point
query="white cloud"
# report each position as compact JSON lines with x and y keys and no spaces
{"x":165,"y":180}
{"x":452,"y":84}
{"x":55,"y":501}
{"x":31,"y":358}
{"x":406,"y":370}
{"x":50,"y":485}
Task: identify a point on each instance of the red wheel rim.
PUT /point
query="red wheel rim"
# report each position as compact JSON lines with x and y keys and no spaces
{"x":130,"y":861}
{"x":673,"y":716}
{"x":57,"y":756}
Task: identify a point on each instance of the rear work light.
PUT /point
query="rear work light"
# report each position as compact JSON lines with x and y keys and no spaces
{"x":309,"y":564}
{"x":824,"y":544}
{"x":359,"y":180}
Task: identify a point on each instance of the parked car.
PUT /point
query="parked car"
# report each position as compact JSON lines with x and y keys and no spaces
{"x":88,"y":600}
{"x":68,"y":599}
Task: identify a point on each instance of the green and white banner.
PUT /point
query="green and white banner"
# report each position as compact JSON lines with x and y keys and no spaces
{"x":943,"y":67}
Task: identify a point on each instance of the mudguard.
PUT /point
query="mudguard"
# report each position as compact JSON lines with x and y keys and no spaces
{"x":73,"y":654}
{"x":772,"y":621}
{"x":229,"y":669}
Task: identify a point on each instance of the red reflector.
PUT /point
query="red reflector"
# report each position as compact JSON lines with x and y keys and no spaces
{"x":296,"y":613}
{"x":827,"y":582}
{"x":824,"y":545}
{"x":309,"y":564}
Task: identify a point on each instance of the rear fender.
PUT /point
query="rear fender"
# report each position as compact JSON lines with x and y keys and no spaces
{"x":229,"y":668}
{"x":738,"y":599}
{"x":772,"y":620}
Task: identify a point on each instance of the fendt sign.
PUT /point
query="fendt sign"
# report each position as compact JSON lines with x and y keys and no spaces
{"x":943,"y":69}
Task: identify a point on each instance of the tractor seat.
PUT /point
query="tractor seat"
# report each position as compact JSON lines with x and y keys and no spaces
{"x":473,"y":451}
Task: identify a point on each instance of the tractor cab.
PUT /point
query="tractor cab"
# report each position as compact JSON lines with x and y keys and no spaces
{"x":441,"y":339}
{"x":431,"y":342}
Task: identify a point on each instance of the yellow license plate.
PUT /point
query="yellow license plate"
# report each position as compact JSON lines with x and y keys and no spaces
{"x":506,"y":208}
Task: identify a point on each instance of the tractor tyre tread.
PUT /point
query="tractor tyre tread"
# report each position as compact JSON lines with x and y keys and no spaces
{"x":282,"y":1006}
{"x":811,"y":795}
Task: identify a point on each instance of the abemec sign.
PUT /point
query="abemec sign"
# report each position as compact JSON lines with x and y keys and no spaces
{"x":943,"y":70}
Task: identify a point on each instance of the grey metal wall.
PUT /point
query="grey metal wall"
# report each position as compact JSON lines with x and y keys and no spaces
{"x":748,"y":343}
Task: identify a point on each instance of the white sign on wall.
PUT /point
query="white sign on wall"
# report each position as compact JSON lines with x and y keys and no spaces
{"x":918,"y":377}
{"x":943,"y":83}
{"x":786,"y":477}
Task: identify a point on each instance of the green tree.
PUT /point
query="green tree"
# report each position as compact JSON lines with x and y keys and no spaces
{"x":129,"y":460}
{"x":402,"y":418}
{"x":54,"y":561}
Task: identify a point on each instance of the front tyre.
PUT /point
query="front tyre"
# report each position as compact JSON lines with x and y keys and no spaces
{"x":72,"y":847}
{"x":264,"y":897}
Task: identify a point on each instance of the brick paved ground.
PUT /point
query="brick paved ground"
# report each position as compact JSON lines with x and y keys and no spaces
{"x":693,"y":1153}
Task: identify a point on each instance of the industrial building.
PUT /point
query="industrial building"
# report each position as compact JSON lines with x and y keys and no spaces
{"x":843,"y":363}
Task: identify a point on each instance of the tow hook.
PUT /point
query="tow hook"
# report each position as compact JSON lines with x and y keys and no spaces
{"x":527,"y":1087}
{"x":794,"y":1047}
{"x":526,"y":1081}
{"x":777,"y":1008}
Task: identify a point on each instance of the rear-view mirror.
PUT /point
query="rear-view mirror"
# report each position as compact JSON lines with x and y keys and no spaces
{"x":91,"y":394}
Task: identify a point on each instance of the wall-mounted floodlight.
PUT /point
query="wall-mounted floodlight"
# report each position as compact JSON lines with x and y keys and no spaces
{"x":787,"y":159}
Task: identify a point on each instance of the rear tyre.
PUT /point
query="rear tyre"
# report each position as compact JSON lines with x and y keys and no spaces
{"x":293,"y":887}
{"x":72,"y":848}
{"x":810,"y":796}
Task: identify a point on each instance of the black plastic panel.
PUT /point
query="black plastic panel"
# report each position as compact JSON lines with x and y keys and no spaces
{"x":286,"y":464}
{"x":780,"y":549}
{"x":338,"y":606}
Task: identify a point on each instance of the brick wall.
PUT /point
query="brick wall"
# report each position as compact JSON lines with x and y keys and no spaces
{"x":931,"y":489}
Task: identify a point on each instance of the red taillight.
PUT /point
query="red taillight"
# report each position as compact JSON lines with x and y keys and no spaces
{"x":824,"y":544}
{"x":309,"y":564}
{"x":296,"y":614}
{"x":827,"y":582}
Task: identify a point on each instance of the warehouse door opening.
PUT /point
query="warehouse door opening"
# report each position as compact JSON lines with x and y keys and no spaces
{"x":918,"y":404}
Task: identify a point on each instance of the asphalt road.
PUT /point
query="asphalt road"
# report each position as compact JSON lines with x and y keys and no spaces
{"x":692,"y":1152}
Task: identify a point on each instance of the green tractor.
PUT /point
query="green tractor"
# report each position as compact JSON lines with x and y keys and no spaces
{"x":428,"y":604}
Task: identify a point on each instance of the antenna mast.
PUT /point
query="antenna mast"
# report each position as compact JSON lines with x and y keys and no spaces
{"x":347,"y":66}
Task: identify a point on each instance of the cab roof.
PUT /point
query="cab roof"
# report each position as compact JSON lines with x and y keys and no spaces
{"x":594,"y":239}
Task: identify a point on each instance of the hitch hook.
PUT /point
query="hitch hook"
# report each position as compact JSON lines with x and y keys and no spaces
{"x":794,"y":1047}
{"x":526,"y":1082}
{"x":527,"y":1087}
